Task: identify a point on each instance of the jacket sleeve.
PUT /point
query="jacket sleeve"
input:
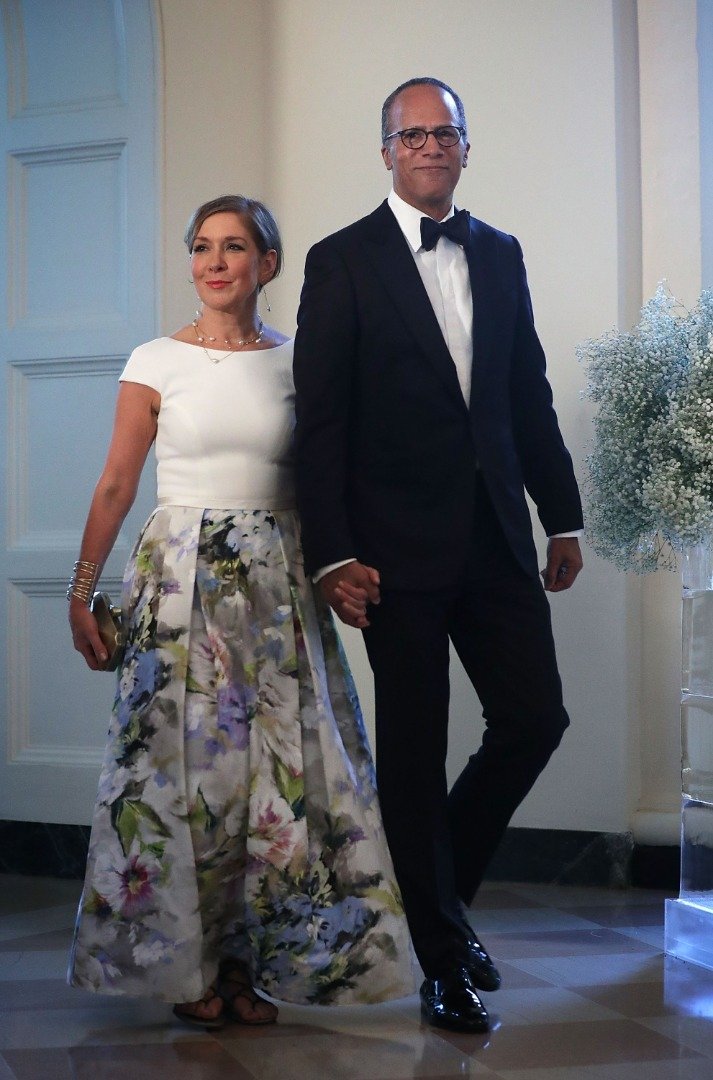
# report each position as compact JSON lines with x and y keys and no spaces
{"x":546,"y":463}
{"x":324,"y":359}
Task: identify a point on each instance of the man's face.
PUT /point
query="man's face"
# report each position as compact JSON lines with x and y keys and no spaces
{"x":426,"y":178}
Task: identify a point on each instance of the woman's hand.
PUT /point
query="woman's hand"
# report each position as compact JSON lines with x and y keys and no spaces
{"x":85,"y":634}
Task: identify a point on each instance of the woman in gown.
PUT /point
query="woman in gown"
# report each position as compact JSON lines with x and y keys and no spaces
{"x":236,"y":839}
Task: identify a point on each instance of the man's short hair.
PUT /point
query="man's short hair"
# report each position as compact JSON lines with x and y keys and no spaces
{"x":424,"y":80}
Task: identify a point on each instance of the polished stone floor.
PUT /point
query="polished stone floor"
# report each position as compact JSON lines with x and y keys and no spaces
{"x":587,"y":995}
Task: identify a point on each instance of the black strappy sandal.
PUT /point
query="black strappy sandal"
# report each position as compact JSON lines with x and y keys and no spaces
{"x":193,"y":1020}
{"x":234,"y":985}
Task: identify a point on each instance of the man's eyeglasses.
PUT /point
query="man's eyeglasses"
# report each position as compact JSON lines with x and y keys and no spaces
{"x":414,"y":138}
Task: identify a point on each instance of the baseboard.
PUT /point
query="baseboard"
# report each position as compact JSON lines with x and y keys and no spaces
{"x":656,"y":867}
{"x":553,"y":856}
{"x":569,"y":857}
{"x":32,"y":847}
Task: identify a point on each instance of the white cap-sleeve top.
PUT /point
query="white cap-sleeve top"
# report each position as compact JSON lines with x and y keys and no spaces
{"x":224,"y":437}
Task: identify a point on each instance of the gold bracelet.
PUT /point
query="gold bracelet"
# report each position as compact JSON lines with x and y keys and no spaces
{"x":83,"y":579}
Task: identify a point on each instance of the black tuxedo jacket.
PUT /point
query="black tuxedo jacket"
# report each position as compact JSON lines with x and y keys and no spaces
{"x":387,"y":450}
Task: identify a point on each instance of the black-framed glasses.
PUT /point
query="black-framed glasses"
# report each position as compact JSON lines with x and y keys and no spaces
{"x":415,"y":137}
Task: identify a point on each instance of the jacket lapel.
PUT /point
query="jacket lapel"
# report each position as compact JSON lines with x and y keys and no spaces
{"x":394,"y":264}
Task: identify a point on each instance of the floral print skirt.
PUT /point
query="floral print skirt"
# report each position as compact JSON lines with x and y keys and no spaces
{"x":237,"y":814}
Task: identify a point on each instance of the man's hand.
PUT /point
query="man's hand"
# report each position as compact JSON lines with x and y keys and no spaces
{"x":348,"y":590}
{"x":564,"y":561}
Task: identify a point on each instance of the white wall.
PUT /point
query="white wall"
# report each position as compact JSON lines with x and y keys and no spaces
{"x":214,"y":122}
{"x":705,"y":128}
{"x":281,"y":98}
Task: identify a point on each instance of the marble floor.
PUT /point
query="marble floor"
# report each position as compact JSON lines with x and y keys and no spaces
{"x":587,"y":995}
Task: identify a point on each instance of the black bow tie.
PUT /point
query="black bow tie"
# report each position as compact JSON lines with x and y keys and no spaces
{"x":456,"y":228}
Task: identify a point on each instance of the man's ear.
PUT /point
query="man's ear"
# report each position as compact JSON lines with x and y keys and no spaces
{"x":386,"y":155}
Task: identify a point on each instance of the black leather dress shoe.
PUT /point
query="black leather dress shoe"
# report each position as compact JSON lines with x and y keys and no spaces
{"x":483,"y":972}
{"x":451,"y":1002}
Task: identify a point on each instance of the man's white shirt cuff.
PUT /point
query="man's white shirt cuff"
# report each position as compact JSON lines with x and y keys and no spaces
{"x":324,"y":570}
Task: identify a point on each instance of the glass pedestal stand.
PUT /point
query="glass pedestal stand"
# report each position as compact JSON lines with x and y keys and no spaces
{"x":689,"y":919}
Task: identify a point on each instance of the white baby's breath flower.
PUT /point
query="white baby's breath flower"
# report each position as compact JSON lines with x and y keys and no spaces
{"x":650,"y":471}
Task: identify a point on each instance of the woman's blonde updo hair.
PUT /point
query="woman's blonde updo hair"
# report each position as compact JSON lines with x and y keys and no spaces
{"x":262,"y":225}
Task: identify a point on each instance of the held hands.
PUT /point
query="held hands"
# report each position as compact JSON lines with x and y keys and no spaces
{"x":86,"y":635}
{"x":348,"y":590}
{"x":564,"y":561}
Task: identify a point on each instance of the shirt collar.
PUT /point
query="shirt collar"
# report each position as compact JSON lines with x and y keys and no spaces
{"x":409,"y":219}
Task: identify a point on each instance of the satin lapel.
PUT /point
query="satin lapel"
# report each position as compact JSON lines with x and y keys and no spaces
{"x":394,"y":264}
{"x":487,"y":304}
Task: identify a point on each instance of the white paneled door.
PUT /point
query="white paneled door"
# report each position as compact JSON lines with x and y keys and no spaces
{"x":78,"y":229}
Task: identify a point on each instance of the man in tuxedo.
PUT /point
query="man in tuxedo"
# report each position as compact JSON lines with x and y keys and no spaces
{"x":423,"y":415}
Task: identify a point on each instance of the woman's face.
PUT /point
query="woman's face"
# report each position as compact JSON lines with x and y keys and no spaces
{"x":226,"y":264}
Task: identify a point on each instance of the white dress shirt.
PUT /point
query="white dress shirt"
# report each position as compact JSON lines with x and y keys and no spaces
{"x":444,"y":272}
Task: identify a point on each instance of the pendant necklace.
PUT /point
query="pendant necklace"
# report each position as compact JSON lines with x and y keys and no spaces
{"x":232,"y":345}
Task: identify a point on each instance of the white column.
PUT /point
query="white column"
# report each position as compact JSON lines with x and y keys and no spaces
{"x":671,"y":250}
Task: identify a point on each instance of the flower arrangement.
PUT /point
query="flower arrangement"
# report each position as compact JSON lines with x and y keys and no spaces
{"x":649,"y":490}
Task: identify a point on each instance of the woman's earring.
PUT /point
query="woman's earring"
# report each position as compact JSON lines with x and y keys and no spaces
{"x":267,"y":302}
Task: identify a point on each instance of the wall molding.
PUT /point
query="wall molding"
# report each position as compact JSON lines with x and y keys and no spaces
{"x":20,"y":165}
{"x":21,"y":107}
{"x":21,"y":748}
{"x":538,"y":856}
{"x":20,"y":537}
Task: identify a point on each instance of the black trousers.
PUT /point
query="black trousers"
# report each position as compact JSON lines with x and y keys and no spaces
{"x":498,"y":619}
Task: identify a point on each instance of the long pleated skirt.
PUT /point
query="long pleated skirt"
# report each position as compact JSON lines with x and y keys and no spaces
{"x":237,"y":814}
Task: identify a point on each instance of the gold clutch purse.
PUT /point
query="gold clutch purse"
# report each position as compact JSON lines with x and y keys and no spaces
{"x":108,"y":617}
